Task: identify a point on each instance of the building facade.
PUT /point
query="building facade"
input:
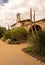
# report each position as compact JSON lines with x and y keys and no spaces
{"x":27,"y":23}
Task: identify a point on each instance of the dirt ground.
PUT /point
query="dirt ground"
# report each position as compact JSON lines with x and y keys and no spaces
{"x":13,"y":55}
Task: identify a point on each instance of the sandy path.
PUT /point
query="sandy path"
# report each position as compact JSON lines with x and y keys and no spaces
{"x":12,"y":55}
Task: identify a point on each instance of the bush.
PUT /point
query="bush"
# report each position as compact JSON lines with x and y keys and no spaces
{"x":43,"y":51}
{"x":17,"y":34}
{"x":7,"y":35}
{"x":3,"y":38}
{"x":2,"y":30}
{"x":38,"y":42}
{"x":9,"y":41}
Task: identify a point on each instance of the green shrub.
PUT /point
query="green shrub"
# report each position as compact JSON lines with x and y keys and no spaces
{"x":2,"y":30}
{"x":3,"y":38}
{"x":19,"y":34}
{"x":42,"y":52}
{"x":38,"y":42}
{"x":10,"y":42}
{"x":7,"y":35}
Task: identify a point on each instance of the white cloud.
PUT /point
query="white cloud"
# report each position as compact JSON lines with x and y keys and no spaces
{"x":9,"y":10}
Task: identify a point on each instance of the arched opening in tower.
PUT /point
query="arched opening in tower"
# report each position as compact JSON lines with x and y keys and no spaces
{"x":38,"y":28}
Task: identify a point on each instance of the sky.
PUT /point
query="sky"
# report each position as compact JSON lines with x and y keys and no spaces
{"x":9,"y":9}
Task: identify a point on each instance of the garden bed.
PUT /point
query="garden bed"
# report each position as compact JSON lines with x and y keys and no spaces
{"x":41,"y":58}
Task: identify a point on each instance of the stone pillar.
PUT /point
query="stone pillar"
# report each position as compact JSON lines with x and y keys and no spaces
{"x":31,"y":15}
{"x":34,"y":22}
{"x":8,"y":27}
{"x":31,"y":20}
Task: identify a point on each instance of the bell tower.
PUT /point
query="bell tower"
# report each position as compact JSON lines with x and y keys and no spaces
{"x":18,"y":17}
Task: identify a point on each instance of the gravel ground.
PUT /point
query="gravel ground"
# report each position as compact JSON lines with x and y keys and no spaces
{"x":13,"y":55}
